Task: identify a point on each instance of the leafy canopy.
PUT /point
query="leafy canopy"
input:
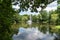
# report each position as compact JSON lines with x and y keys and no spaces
{"x":31,"y":4}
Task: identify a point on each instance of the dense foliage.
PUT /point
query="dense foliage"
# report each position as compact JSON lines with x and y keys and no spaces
{"x":31,"y":4}
{"x":6,"y":19}
{"x":51,"y":17}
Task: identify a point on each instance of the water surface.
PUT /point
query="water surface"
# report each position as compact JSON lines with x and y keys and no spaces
{"x":35,"y":31}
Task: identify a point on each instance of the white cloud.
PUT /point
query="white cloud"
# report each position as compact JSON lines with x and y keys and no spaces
{"x":15,"y":7}
{"x":52,"y":6}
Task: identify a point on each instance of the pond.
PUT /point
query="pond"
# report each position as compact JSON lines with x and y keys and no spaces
{"x":36,"y":31}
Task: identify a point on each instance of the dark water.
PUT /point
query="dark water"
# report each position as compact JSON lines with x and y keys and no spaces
{"x":36,"y":31}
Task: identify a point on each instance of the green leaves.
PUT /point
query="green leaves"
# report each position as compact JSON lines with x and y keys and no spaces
{"x":6,"y":18}
{"x":25,"y":4}
{"x":1,"y":1}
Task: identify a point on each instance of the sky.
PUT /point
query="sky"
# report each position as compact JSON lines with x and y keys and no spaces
{"x":51,"y":6}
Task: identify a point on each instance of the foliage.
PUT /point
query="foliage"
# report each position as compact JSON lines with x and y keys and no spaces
{"x":43,"y":17}
{"x":32,"y":4}
{"x":17,"y":18}
{"x":58,"y":1}
{"x":53,"y":17}
{"x":6,"y":20}
{"x":34,"y":18}
{"x":25,"y":18}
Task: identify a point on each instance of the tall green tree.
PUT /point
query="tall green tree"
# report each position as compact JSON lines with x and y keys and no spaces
{"x":6,"y":19}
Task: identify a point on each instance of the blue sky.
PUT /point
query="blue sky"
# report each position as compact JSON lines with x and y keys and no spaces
{"x":51,"y":6}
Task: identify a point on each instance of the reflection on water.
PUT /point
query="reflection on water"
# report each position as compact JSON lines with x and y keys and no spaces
{"x":34,"y":32}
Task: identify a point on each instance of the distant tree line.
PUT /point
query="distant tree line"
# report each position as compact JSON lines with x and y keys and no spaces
{"x":51,"y":17}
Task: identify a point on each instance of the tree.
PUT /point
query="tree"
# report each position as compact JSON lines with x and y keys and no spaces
{"x":34,"y":18}
{"x":25,"y":18}
{"x":17,"y":18}
{"x":6,"y":19}
{"x":53,"y":17}
{"x":32,"y":4}
{"x":44,"y":16}
{"x":58,"y":11}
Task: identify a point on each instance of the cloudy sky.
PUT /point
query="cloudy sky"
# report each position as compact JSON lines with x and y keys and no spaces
{"x":51,"y":6}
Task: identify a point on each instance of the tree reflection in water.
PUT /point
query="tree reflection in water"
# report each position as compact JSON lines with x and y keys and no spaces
{"x":36,"y":32}
{"x":32,"y":34}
